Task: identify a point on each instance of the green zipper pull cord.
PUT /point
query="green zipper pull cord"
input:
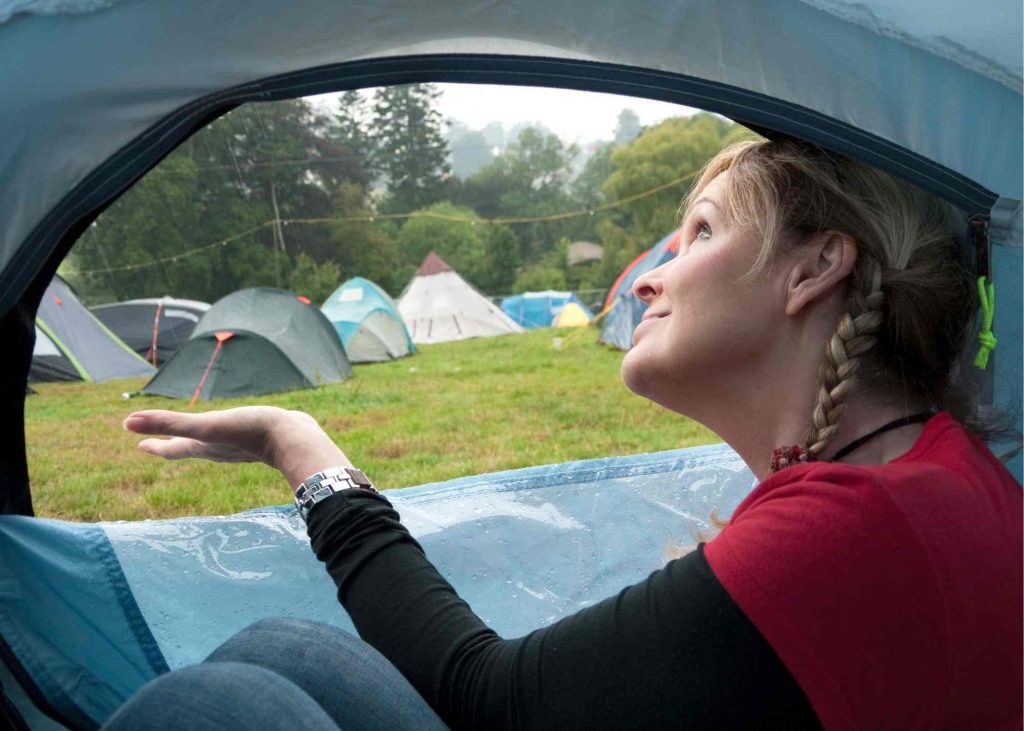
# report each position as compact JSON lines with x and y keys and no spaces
{"x":987,"y":295}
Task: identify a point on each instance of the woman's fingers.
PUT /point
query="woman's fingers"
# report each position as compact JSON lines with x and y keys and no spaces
{"x":165,"y":423}
{"x":173,"y":448}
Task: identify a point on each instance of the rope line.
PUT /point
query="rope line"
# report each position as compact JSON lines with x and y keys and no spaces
{"x":370,"y":218}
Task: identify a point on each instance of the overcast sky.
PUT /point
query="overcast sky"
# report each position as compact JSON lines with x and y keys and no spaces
{"x":576,"y":116}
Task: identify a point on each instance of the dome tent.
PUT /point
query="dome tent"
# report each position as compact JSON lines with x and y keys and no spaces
{"x":251,"y":342}
{"x":154,"y":328}
{"x":367,"y":321}
{"x":895,"y":84}
{"x":439,"y":306}
{"x":72,"y":345}
{"x":622,"y":308}
{"x":542,"y":309}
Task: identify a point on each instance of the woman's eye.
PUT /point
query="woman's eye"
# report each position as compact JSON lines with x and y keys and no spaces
{"x":703,"y":232}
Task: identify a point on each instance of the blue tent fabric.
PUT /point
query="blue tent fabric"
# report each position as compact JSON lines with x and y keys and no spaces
{"x":125,"y":601}
{"x":538,"y":309}
{"x":625,"y":309}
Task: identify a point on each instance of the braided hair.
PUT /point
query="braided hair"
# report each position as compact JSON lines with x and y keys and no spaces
{"x":910,"y":302}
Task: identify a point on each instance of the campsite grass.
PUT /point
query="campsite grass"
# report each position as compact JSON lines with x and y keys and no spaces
{"x":453,"y":409}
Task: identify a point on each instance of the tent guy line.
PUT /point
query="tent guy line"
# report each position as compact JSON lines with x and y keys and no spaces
{"x":398,"y":216}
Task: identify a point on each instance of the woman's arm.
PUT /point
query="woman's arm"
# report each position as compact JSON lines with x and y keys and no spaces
{"x":672,"y":651}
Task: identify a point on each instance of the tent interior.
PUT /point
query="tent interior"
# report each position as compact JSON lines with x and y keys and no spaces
{"x":93,"y":102}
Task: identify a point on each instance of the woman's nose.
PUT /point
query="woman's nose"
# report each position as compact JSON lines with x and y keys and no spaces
{"x":647,"y":286}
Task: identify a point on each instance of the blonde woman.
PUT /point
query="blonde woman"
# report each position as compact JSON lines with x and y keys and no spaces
{"x":814,"y":318}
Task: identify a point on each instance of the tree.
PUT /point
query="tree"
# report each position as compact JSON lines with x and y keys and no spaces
{"x":469,"y":149}
{"x":362,"y":247}
{"x":453,"y":232}
{"x":412,"y":152}
{"x":628,"y":127}
{"x":315,"y":281}
{"x":672,"y":149}
{"x":348,"y":127}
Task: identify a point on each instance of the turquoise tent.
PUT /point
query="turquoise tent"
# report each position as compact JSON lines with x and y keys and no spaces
{"x":96,"y":93}
{"x":367,"y":322}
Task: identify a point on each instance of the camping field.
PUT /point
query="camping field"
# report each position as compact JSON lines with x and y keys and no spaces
{"x":453,"y":409}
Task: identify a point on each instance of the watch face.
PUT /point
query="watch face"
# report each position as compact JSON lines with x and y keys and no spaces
{"x":359,"y":478}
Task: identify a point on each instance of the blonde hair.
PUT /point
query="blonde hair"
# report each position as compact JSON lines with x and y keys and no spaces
{"x":910,"y":301}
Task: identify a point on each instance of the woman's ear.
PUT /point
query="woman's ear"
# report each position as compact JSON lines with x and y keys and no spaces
{"x":818,"y":269}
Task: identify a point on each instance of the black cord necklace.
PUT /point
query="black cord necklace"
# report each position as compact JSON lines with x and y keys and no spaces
{"x":895,"y":424}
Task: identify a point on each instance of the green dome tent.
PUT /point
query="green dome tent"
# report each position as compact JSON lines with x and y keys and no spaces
{"x":367,"y":322}
{"x":252,"y":342}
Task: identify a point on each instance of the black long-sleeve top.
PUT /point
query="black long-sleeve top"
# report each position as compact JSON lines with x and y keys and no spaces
{"x":673,"y":651}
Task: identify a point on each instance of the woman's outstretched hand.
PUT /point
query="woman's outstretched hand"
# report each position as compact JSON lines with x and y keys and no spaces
{"x":289,"y":441}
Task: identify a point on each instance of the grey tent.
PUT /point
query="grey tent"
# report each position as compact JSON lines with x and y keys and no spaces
{"x":72,"y":345}
{"x":251,"y":342}
{"x":154,"y":328}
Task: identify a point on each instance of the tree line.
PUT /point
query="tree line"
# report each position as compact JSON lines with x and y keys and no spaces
{"x":291,"y":195}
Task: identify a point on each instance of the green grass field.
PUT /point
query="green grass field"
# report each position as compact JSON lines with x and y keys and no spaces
{"x":451,"y":410}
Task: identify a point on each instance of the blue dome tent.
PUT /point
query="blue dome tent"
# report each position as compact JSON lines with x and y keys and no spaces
{"x":367,"y":322}
{"x":93,"y":99}
{"x":538,"y":309}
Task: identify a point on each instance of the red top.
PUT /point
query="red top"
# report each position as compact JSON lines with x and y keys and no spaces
{"x":892,"y":592}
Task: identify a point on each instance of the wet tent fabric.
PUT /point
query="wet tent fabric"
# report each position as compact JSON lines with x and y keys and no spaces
{"x":574,"y":314}
{"x":622,"y":308}
{"x":251,"y":342}
{"x":166,"y":322}
{"x":439,"y":306}
{"x":75,"y":345}
{"x":523,"y":547}
{"x":368,"y":322}
{"x":539,"y":309}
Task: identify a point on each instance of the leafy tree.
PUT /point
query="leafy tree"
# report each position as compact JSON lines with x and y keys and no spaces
{"x":469,"y":149}
{"x":412,"y":152}
{"x":669,"y":150}
{"x":628,"y":127}
{"x":362,"y":247}
{"x":348,"y":127}
{"x":501,"y":259}
{"x":455,"y":233}
{"x":315,"y":281}
{"x":539,"y":277}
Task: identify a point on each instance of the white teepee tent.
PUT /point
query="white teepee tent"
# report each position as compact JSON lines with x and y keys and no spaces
{"x":438,"y":305}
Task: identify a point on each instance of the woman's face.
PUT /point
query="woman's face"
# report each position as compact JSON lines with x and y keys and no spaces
{"x":706,"y":329}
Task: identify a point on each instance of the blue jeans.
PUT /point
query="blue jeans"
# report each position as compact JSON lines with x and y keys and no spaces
{"x":281,"y":674}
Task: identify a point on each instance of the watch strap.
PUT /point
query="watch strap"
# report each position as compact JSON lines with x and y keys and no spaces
{"x":323,"y":484}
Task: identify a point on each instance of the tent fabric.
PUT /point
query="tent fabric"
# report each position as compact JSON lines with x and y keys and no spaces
{"x":368,"y":322}
{"x":75,"y":345}
{"x":574,"y":314}
{"x":269,"y":340}
{"x":136,"y":322}
{"x":440,"y":306}
{"x":876,"y":68}
{"x":523,"y":547}
{"x":542,"y":309}
{"x":622,"y":308}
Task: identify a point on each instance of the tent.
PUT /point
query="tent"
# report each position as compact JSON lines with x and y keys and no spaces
{"x":72,"y":345}
{"x":254,"y":341}
{"x":367,"y":322}
{"x":574,"y":314}
{"x":543,"y":309}
{"x":95,"y":94}
{"x":438,"y":306}
{"x":621,"y":307}
{"x":154,"y":328}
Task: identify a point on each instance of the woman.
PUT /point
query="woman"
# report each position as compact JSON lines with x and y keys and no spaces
{"x":871,"y":580}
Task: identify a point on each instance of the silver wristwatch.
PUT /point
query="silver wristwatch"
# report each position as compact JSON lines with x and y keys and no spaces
{"x":324,"y":484}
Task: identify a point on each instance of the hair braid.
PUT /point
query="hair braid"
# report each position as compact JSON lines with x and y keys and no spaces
{"x":856,"y":334}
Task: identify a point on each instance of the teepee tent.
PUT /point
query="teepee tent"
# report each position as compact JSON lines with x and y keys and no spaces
{"x":367,"y":321}
{"x":543,"y":309}
{"x":251,"y":342}
{"x":154,"y":328}
{"x":622,"y":308}
{"x":438,"y":305}
{"x":72,"y":345}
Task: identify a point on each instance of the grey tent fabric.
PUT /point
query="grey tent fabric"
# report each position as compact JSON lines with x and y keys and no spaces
{"x":254,"y":341}
{"x":164,"y":322}
{"x":86,"y":349}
